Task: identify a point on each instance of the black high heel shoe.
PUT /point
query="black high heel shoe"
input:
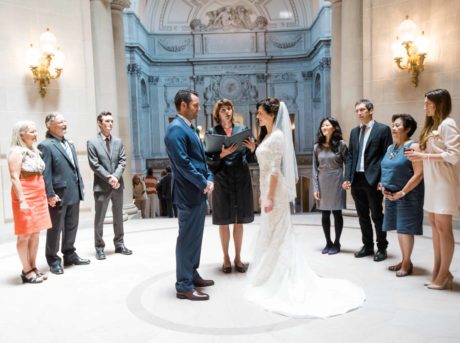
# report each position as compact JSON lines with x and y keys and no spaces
{"x":33,"y":279}
{"x":242,"y":268}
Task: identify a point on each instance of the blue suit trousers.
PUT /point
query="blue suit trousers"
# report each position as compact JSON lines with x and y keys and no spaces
{"x":188,"y":246}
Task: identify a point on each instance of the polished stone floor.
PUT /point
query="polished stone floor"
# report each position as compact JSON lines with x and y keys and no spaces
{"x":132,"y":298}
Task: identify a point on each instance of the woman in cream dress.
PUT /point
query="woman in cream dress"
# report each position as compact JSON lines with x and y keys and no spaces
{"x":440,"y":145}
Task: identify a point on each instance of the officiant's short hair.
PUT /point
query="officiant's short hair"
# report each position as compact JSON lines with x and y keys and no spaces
{"x":218,"y":105}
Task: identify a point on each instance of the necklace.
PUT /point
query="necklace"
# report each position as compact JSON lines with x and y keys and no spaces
{"x":394,"y":152}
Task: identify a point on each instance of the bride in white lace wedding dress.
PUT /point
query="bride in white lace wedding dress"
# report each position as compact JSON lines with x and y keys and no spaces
{"x":280,"y":279}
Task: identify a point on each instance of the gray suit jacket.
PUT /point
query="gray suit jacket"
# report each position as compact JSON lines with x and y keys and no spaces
{"x":62,"y":176}
{"x":104,"y":164}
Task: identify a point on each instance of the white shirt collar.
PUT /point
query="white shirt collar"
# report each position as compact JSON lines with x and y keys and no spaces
{"x":368,"y":125}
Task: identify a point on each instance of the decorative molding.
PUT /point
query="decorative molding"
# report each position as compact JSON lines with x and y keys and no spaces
{"x":286,"y":44}
{"x":262,"y":78}
{"x":227,"y":18}
{"x":307,"y":75}
{"x":198,"y":79}
{"x":134,"y":68}
{"x":153,"y":80}
{"x":284,"y":77}
{"x":176,"y":81}
{"x":174,"y":46}
{"x":325,"y":63}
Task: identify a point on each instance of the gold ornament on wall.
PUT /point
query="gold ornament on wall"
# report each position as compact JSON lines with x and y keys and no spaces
{"x":47,"y":62}
{"x":410,"y":49}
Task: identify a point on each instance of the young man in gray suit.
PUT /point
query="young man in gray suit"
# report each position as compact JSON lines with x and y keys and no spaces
{"x":64,"y":188}
{"x":107,"y":159}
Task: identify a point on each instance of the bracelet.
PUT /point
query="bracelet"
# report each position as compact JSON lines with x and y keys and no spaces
{"x":403,"y":193}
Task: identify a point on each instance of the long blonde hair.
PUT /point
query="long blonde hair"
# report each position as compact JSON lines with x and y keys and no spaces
{"x":443,"y":107}
{"x":18,"y":128}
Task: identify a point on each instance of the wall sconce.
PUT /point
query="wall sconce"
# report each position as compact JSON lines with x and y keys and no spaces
{"x":410,"y":49}
{"x":46,"y":64}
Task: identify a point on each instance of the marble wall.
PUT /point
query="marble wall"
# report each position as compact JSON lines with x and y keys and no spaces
{"x":21,"y":23}
{"x":380,"y":79}
{"x":244,"y":65}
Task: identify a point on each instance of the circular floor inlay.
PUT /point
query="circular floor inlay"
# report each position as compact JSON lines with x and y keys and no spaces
{"x":154,"y":301}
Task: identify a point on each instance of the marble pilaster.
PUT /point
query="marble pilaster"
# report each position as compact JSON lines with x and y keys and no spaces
{"x":117,"y":7}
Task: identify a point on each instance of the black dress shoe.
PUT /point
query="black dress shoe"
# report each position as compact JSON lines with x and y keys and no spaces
{"x":193,"y":295}
{"x":364,"y":252}
{"x":380,"y":255}
{"x":56,"y":268}
{"x":76,"y":260}
{"x":123,"y":250}
{"x":100,"y":255}
{"x":203,"y":283}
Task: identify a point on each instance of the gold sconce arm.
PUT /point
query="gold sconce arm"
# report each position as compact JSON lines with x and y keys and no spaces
{"x":48,"y":65}
{"x":410,"y":52}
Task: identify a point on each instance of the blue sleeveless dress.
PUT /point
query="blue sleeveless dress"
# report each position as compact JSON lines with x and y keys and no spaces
{"x":406,"y":214}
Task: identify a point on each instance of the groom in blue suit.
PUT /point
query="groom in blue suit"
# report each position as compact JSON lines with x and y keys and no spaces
{"x":191,"y":183}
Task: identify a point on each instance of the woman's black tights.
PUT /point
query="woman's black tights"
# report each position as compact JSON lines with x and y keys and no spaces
{"x":338,"y":225}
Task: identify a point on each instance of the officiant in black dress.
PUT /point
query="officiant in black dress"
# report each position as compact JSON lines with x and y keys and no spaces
{"x":232,"y":200}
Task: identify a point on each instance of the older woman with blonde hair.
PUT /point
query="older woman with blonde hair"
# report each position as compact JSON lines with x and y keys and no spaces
{"x":232,"y":201}
{"x":29,"y":201}
{"x":440,"y":145}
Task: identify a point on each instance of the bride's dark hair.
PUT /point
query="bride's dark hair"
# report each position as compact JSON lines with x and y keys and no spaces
{"x":271,"y":106}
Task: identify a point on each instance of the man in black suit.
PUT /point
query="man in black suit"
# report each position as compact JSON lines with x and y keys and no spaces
{"x":64,"y":189}
{"x":368,"y":144}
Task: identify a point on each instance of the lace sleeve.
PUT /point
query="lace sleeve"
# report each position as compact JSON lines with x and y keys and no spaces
{"x":276,"y":151}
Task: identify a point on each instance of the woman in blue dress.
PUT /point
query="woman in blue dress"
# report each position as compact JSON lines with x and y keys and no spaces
{"x":403,"y":190}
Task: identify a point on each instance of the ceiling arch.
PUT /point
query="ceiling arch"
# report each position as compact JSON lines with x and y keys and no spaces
{"x":166,"y":16}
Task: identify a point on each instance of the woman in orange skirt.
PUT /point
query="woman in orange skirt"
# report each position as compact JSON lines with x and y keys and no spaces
{"x":29,"y":201}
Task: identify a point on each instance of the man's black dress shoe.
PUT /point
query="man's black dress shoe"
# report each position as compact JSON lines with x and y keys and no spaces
{"x":56,"y":268}
{"x":100,"y":255}
{"x":203,"y":283}
{"x":380,"y":255}
{"x":123,"y":250}
{"x":193,"y":295}
{"x":76,"y":260}
{"x":364,"y":252}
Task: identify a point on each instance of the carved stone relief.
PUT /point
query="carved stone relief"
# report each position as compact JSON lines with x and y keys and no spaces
{"x":174,"y":46}
{"x":229,"y":18}
{"x":286,"y":42}
{"x":234,"y":87}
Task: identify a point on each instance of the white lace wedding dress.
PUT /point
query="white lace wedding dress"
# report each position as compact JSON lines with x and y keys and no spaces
{"x":279,"y":277}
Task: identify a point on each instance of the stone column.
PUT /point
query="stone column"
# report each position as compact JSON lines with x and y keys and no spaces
{"x":351,"y":64}
{"x":336,"y":43}
{"x":117,"y":7}
{"x":104,"y":61}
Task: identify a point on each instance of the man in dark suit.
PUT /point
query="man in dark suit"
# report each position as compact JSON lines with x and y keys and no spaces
{"x":191,"y":182}
{"x":107,"y":159}
{"x":64,"y":188}
{"x":368,"y":144}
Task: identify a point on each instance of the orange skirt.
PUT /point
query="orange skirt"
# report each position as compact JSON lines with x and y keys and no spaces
{"x":38,"y":218}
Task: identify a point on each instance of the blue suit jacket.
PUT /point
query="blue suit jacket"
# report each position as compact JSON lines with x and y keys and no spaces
{"x":190,"y":173}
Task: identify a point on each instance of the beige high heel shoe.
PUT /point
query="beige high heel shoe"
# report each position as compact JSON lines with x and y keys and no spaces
{"x":446,"y":285}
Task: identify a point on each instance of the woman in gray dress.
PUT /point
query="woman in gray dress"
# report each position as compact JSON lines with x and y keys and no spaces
{"x":329,"y":155}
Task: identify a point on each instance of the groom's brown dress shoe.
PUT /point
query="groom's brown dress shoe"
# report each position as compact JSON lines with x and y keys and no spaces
{"x":193,"y":295}
{"x":203,"y":283}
